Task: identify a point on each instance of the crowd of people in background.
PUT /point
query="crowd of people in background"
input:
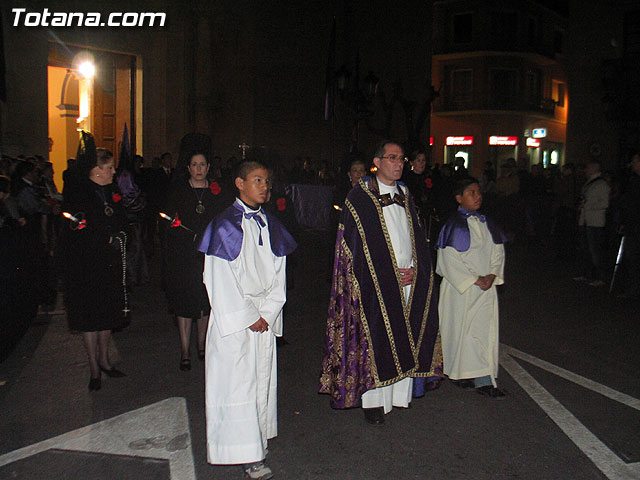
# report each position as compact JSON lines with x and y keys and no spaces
{"x":533,"y":203}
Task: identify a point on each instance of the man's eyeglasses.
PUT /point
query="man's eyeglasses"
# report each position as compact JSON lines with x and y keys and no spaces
{"x":396,"y":158}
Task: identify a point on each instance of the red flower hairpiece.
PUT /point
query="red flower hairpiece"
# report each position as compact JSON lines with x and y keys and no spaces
{"x":282,"y":204}
{"x":215,"y":188}
{"x":116,"y":197}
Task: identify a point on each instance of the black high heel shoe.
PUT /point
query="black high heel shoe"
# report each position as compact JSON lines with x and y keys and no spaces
{"x":113,"y":372}
{"x":95,"y":384}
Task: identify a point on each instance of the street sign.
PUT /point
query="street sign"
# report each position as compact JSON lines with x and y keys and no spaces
{"x":539,"y":133}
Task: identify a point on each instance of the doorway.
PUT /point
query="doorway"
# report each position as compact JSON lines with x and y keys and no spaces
{"x":101,"y":103}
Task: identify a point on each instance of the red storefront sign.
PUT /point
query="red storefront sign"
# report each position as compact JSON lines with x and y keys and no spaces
{"x":497,"y":140}
{"x":533,"y":142}
{"x":459,"y":140}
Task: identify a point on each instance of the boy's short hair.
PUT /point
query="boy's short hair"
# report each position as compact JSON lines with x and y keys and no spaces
{"x":461,"y":184}
{"x":246,"y":167}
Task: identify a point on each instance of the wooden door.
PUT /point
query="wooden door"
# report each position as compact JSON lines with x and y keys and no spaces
{"x":113,"y":94}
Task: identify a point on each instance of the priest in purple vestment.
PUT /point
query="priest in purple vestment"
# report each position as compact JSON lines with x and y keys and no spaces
{"x":382,"y":323}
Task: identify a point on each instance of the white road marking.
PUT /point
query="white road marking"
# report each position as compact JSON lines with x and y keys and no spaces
{"x":113,"y":436}
{"x":623,"y":398}
{"x":607,"y":461}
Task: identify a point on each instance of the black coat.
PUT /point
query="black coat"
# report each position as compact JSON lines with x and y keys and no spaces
{"x":93,"y":267}
{"x":186,"y":293}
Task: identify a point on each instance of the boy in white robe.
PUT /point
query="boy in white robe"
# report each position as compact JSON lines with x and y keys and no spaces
{"x":244,"y":273}
{"x":471,"y":262}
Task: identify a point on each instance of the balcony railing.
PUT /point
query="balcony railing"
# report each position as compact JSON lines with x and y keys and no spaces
{"x":546,"y":105}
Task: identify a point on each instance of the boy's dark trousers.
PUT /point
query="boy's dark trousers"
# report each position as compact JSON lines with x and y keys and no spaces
{"x":592,"y":256}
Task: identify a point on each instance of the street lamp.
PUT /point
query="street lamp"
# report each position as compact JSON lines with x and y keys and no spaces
{"x":85,"y":71}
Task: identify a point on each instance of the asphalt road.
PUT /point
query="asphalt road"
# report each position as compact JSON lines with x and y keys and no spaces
{"x":569,"y":363}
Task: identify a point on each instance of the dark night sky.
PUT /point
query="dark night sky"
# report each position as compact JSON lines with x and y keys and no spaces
{"x":560,"y":6}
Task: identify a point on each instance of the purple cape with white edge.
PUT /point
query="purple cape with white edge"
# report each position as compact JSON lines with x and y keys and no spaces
{"x":455,"y":233}
{"x":223,"y":236}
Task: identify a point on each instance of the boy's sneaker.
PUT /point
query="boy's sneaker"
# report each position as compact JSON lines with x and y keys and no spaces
{"x":257,"y":471}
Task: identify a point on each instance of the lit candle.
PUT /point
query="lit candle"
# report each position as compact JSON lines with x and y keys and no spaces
{"x":78,"y":223}
{"x":70,"y":217}
{"x":175,"y":222}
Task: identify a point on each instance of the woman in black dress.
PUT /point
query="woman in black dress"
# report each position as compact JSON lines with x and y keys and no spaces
{"x":416,"y":179}
{"x":93,"y":244}
{"x":193,"y":201}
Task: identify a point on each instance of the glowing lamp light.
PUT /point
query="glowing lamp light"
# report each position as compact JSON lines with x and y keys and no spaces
{"x":87,"y":69}
{"x":337,"y":207}
{"x":373,"y":169}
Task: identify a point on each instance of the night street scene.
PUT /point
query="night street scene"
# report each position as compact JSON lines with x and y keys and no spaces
{"x":337,"y":239}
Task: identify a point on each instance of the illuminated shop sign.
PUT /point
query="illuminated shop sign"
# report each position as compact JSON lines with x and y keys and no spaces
{"x":459,"y":140}
{"x":431,"y":141}
{"x":496,"y":140}
{"x":539,"y":133}
{"x":533,"y":142}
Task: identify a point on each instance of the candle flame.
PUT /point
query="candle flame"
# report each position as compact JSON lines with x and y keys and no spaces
{"x":70,"y":217}
{"x":165,"y":216}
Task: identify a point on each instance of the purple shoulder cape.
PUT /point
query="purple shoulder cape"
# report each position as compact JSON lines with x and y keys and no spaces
{"x":455,"y":233}
{"x":223,"y":236}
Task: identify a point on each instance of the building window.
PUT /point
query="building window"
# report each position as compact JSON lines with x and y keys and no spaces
{"x":557,"y":41}
{"x":461,"y":88}
{"x":558,"y":93}
{"x":534,"y":88}
{"x":463,"y":28}
{"x":504,"y":29}
{"x":632,"y":34}
{"x":504,"y":88}
{"x":533,"y":35}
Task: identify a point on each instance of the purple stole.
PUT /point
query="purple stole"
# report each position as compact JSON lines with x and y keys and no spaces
{"x":372,"y":340}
